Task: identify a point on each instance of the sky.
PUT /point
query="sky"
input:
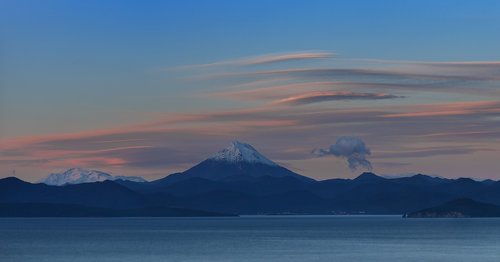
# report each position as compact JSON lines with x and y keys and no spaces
{"x":151,"y":88}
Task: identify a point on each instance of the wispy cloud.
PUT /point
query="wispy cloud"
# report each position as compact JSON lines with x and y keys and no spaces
{"x":381,"y":74}
{"x":426,"y":63}
{"x":156,"y":146}
{"x":272,"y":92}
{"x":323,"y":96}
{"x":430,"y":152}
{"x":277,"y":91}
{"x":267,"y":59}
{"x":449,"y":108}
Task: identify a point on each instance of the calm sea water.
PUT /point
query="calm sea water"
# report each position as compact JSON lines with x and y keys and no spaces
{"x":252,"y":238}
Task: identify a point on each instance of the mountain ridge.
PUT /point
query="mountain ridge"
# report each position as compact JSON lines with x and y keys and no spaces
{"x":458,"y":208}
{"x":366,"y":194}
{"x":78,"y":175}
{"x":240,"y":180}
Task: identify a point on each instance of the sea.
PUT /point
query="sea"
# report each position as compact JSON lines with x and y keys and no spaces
{"x":250,"y":238}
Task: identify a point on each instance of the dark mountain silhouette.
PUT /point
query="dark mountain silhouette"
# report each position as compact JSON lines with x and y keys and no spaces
{"x":99,"y":194}
{"x":367,"y":193}
{"x":238,"y":179}
{"x":489,"y":194}
{"x":463,"y":207}
{"x":238,"y":161}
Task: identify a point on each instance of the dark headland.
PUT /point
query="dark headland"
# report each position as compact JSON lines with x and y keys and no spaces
{"x":463,"y":207}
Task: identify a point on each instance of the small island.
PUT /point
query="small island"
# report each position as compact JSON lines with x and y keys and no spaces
{"x":458,"y":208}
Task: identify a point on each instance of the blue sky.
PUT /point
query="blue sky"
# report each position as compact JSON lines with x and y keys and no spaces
{"x":71,"y":67}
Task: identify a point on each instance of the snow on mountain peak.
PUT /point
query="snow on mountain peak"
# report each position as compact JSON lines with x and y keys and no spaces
{"x":241,"y":152}
{"x":80,"y":175}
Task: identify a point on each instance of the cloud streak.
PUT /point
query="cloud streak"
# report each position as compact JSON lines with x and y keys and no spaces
{"x":156,"y":147}
{"x":323,"y":96}
{"x":368,"y":73}
{"x":449,"y":109}
{"x":452,"y":109}
{"x":430,"y":152}
{"x":267,"y":59}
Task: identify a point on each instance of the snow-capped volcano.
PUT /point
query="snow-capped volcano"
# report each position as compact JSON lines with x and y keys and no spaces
{"x":80,"y":175}
{"x":235,"y":162}
{"x":241,"y":152}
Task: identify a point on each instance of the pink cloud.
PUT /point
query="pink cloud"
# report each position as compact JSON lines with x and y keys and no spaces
{"x":275,"y":91}
{"x":450,"y":109}
{"x":192,"y":137}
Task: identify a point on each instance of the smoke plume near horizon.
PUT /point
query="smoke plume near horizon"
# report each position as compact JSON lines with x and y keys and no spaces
{"x":353,"y":149}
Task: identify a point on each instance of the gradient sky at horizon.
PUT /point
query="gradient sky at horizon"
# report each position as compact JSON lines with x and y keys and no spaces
{"x":152,"y":87}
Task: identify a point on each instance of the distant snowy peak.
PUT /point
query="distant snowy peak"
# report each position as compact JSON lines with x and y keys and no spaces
{"x":80,"y":175}
{"x":130,"y":178}
{"x":241,"y":152}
